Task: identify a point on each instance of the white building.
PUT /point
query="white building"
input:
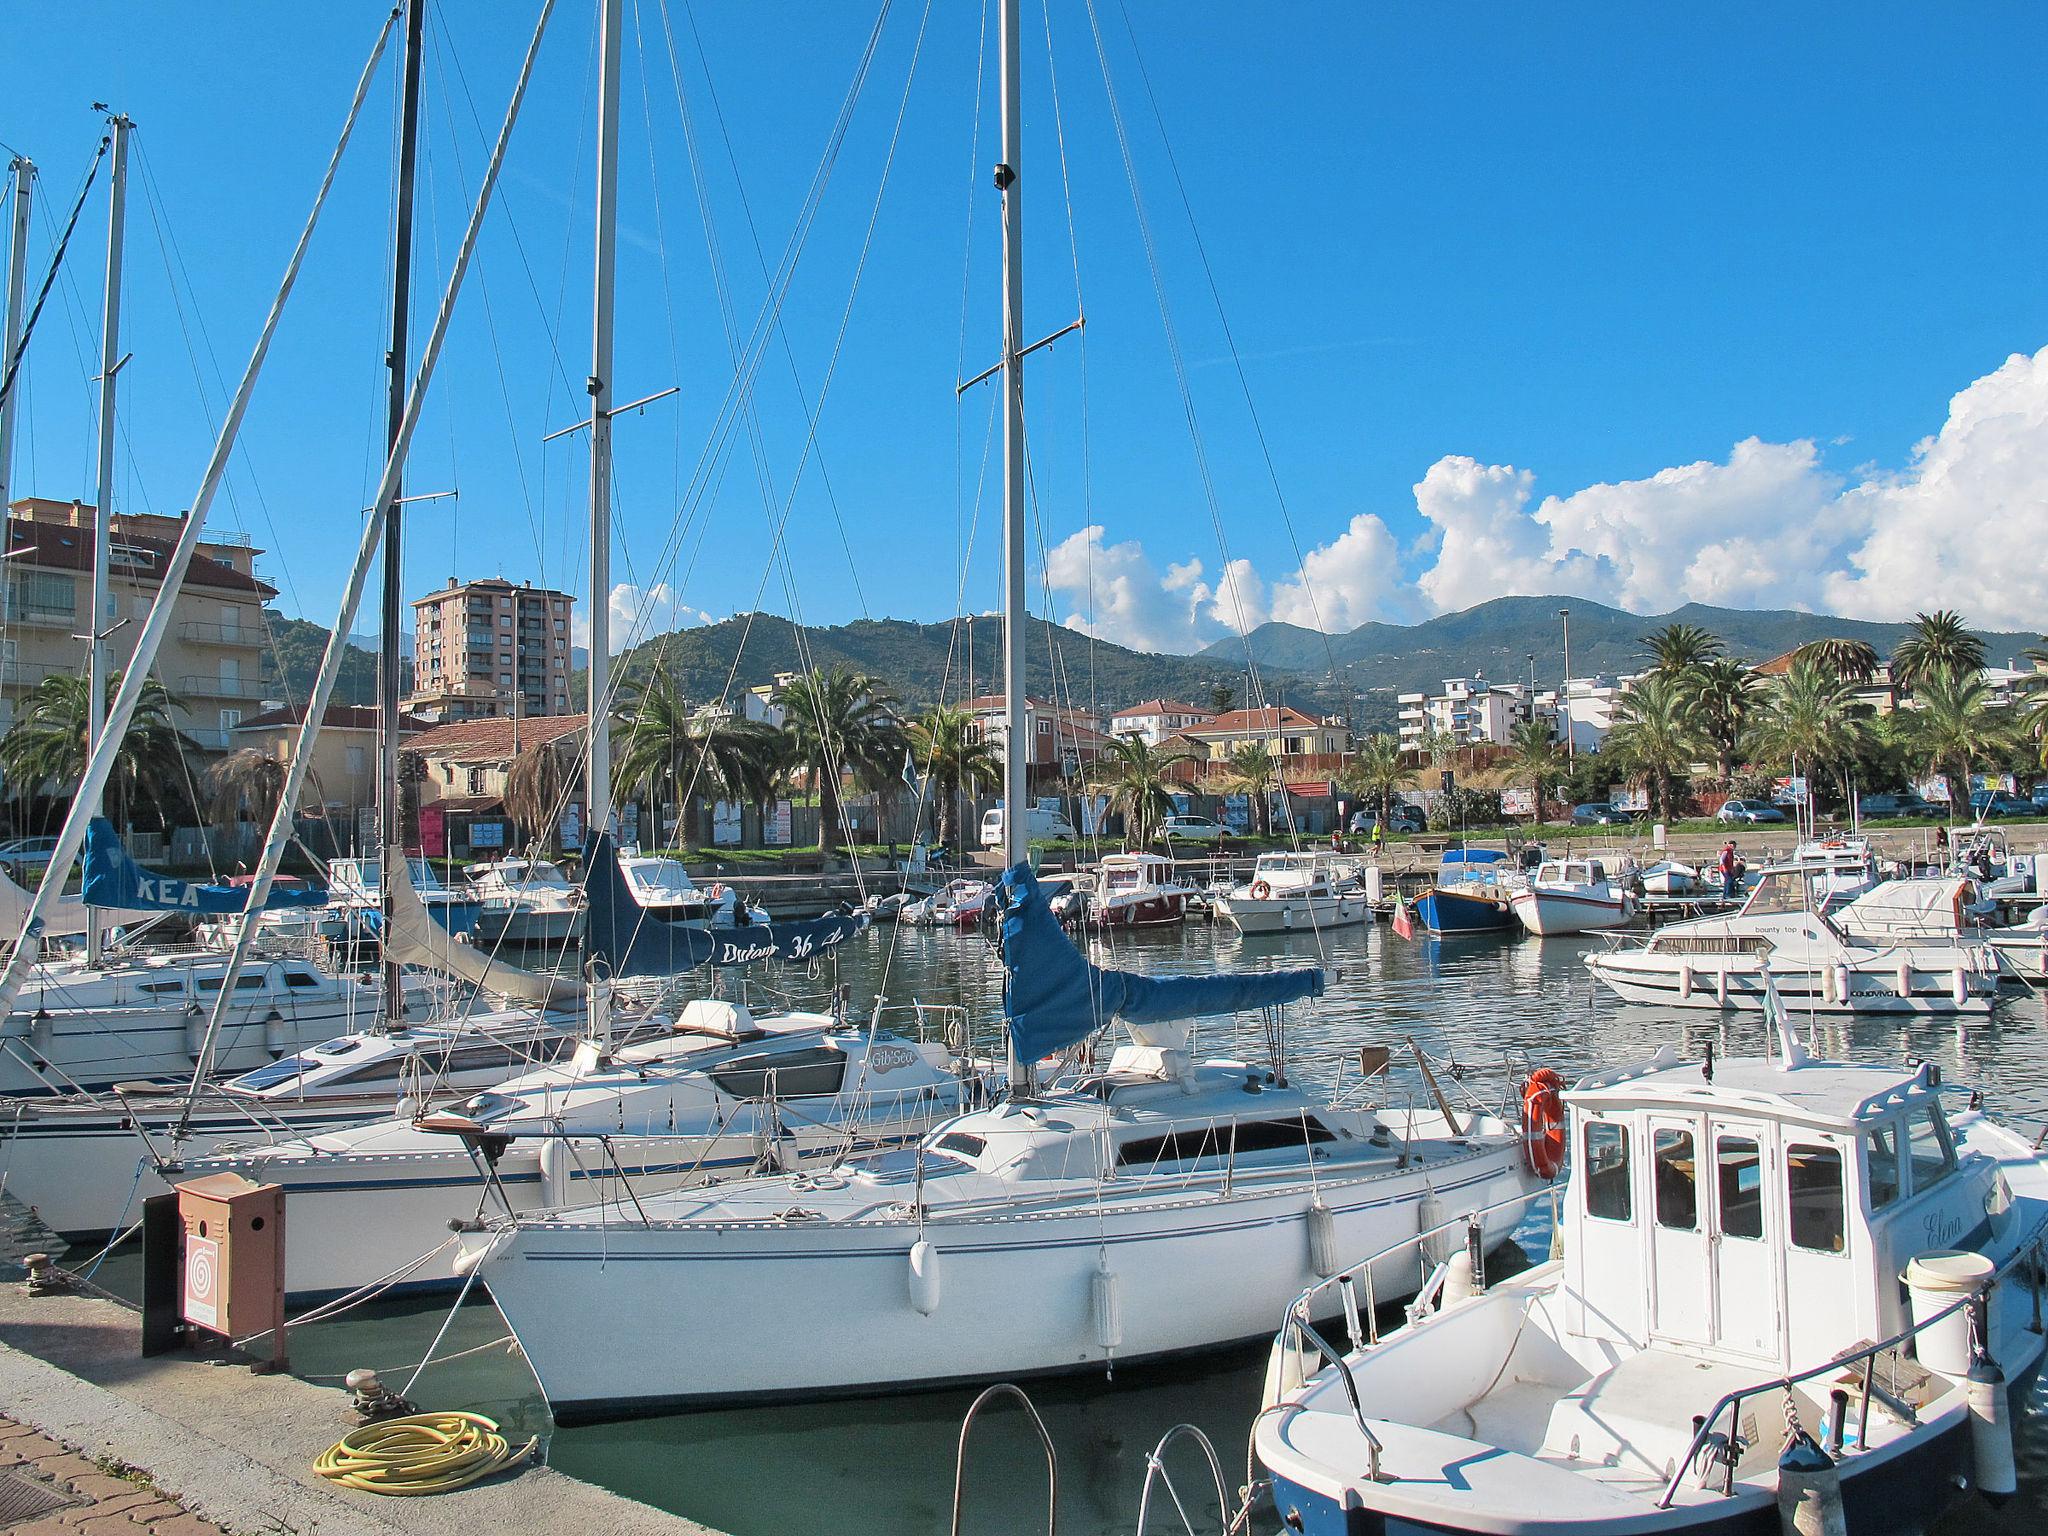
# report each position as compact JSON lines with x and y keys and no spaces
{"x":1156,"y":719}
{"x":1470,"y":710}
{"x":1590,"y":706}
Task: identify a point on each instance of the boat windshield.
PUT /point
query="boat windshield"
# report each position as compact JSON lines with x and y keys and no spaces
{"x":1780,"y":890}
{"x":278,"y":1072}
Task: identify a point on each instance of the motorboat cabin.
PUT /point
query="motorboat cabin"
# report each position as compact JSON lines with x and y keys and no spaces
{"x":1137,"y":890}
{"x":526,"y":901}
{"x":1295,"y":890}
{"x":1571,"y":895}
{"x":1727,"y":1228}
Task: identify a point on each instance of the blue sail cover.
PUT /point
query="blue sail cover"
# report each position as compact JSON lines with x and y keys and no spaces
{"x":631,"y":941}
{"x":1052,"y":997}
{"x":114,"y":879}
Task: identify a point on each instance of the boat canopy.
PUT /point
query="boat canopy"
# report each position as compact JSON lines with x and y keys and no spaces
{"x":1454,"y":856}
{"x":628,"y":940}
{"x":1053,"y":998}
{"x":114,"y":879}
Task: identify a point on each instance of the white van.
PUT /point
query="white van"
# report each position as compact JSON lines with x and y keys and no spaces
{"x":1040,"y":825}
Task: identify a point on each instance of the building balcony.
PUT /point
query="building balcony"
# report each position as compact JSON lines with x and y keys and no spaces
{"x":42,"y":618}
{"x":247,"y":636}
{"x":26,"y":674}
{"x":200,"y":686}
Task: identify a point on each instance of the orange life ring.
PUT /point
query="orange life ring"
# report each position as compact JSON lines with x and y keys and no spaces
{"x":1261,"y":889}
{"x":1543,"y":1123}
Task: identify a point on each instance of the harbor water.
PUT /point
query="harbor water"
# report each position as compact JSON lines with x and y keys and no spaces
{"x":885,"y":1465}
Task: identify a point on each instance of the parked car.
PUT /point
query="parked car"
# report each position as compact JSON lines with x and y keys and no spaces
{"x":1192,"y":829}
{"x":25,"y":858}
{"x":1039,"y":826}
{"x":2041,"y":796}
{"x":1599,"y":813}
{"x":1986,"y":804}
{"x":1898,"y":807}
{"x":1403,"y":818}
{"x":1751,"y":811}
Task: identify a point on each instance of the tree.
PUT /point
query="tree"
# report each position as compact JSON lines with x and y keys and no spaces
{"x":955,"y":759}
{"x":248,"y":782}
{"x":1222,"y":697}
{"x":1132,"y":772}
{"x":1681,"y":648}
{"x":1656,"y":735}
{"x":1536,"y":756}
{"x":840,"y":724}
{"x":1853,"y":661}
{"x":1955,"y":726}
{"x":659,"y":743}
{"x":1724,"y":695}
{"x":47,"y":743}
{"x":539,"y":780}
{"x":1812,"y":721}
{"x":1935,"y":642}
{"x":2033,"y":696}
{"x":1376,"y":770}
{"x":1250,"y":769}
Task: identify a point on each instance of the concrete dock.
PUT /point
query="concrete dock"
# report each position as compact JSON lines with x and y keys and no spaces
{"x":235,"y":1449}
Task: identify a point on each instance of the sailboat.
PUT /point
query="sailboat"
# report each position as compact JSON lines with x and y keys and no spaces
{"x":1161,"y":1204}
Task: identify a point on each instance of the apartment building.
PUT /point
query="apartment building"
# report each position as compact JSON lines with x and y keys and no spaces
{"x":1472,"y":711}
{"x":1061,"y":738}
{"x":212,"y":660}
{"x":1156,"y":719}
{"x":1282,"y":730}
{"x":341,"y":781}
{"x":490,"y":648}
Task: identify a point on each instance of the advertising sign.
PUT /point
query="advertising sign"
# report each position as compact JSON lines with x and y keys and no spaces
{"x":202,"y":1281}
{"x":1935,"y":789}
{"x":570,"y":828}
{"x":1789,"y":790}
{"x":487,"y":834}
{"x":1237,"y":813}
{"x":1518,"y":802}
{"x":776,"y":830}
{"x":1635,"y":801}
{"x":725,"y":823}
{"x":433,"y":831}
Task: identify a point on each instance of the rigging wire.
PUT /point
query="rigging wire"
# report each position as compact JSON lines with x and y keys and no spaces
{"x":56,"y":265}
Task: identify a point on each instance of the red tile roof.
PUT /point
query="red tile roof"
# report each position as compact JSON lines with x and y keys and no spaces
{"x":343,"y":717}
{"x":490,"y":741}
{"x":1240,"y":722}
{"x":60,"y":547}
{"x":1163,"y":707}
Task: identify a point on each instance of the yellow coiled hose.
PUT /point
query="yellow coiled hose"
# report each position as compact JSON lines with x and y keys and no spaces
{"x":420,"y":1453}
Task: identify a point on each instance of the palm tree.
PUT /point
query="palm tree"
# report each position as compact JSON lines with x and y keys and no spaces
{"x":840,"y":723}
{"x":660,"y":743}
{"x":955,"y":759}
{"x":1812,"y":720}
{"x":1681,"y":648}
{"x":1724,"y":694}
{"x":248,"y":782}
{"x":1536,"y":755}
{"x":2033,"y":693}
{"x":1132,"y":772}
{"x":1657,"y":735}
{"x":46,"y":744}
{"x":538,"y":782}
{"x":1955,"y":726}
{"x":1376,"y":770}
{"x":1853,"y":661}
{"x":1935,"y":642}
{"x":1250,"y":769}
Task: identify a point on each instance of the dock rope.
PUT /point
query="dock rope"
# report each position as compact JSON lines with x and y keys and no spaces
{"x":420,"y":1453}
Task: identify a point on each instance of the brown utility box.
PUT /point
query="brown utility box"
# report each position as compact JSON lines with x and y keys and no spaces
{"x":233,"y":1271}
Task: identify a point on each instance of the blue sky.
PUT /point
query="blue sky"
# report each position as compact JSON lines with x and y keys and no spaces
{"x":1644,"y":303}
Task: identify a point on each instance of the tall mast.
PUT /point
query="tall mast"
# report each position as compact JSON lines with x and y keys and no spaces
{"x":1016,"y":821}
{"x":103,"y":497}
{"x":391,"y":803}
{"x":598,"y":766}
{"x":21,"y":172}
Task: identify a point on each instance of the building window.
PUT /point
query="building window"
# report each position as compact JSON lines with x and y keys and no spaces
{"x":43,"y":593}
{"x":476,"y":781}
{"x":229,"y":719}
{"x":356,"y":760}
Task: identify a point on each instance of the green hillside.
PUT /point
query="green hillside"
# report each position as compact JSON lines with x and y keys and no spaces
{"x":295,"y":649}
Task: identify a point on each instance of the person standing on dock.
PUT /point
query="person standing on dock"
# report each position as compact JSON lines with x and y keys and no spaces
{"x":1727,"y":867}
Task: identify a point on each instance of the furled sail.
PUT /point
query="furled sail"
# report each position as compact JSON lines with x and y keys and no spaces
{"x":1052,"y":996}
{"x":114,"y":879}
{"x":416,"y":939}
{"x":628,"y":940}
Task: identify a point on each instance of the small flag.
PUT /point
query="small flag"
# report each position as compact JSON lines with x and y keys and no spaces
{"x":1402,"y":925}
{"x":910,"y":775}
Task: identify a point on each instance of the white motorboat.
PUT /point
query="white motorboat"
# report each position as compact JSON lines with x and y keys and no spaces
{"x":359,"y":883}
{"x":1137,"y":890}
{"x":1984,"y":854}
{"x":957,"y":904}
{"x":1571,"y":896}
{"x":664,"y":888}
{"x":728,"y":1091}
{"x":85,"y":1162}
{"x":1725,"y":1344}
{"x":1730,"y":961}
{"x":1056,"y":1232}
{"x":1669,"y":877}
{"x":2023,"y":948}
{"x":525,"y":901}
{"x":1293,"y":890}
{"x":1839,"y":869}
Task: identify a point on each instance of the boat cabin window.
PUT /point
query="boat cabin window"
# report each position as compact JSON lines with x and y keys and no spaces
{"x":242,"y":983}
{"x":1220,"y":1141}
{"x":1881,"y":1165}
{"x":1677,"y":1181}
{"x":962,"y":1144}
{"x":1813,"y":1186}
{"x":1608,"y":1195}
{"x":282,"y":1071}
{"x":160,"y":988}
{"x":1780,"y":890}
{"x":295,"y":977}
{"x":1739,"y":1167}
{"x":1934,"y":1156}
{"x":812,"y":1071}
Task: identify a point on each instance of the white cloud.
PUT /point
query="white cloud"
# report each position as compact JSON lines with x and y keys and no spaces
{"x":1116,"y":593}
{"x":639,"y":613}
{"x":1352,"y":580}
{"x":1964,"y":525}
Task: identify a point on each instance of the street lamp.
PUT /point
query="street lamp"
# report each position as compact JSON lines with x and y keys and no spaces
{"x":1571,"y":744}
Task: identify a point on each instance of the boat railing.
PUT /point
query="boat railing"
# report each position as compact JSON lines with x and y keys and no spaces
{"x":1052,"y":1460}
{"x":1155,"y":1471}
{"x":2030,"y":1250}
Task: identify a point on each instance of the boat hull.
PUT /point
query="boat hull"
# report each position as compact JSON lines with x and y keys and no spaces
{"x":1286,"y":914}
{"x":561,"y":1282}
{"x":1158,"y":911}
{"x":1739,"y":985}
{"x":530,"y":925}
{"x":1549,"y":913}
{"x":1444,"y":910}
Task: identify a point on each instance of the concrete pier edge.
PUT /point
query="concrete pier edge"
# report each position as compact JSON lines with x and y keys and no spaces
{"x":237,"y":1449}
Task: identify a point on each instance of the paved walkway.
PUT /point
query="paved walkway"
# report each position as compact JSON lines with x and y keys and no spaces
{"x":100,"y":1498}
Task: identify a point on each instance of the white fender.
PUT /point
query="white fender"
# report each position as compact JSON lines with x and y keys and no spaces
{"x":195,"y":1032}
{"x":1905,"y":978}
{"x":1105,"y":1306}
{"x":1429,"y":1212}
{"x":1288,"y":1366}
{"x":1460,"y":1282}
{"x":1827,"y":984}
{"x":1991,"y":1432}
{"x":273,"y":1033}
{"x":1322,"y":1239}
{"x":1721,"y":986}
{"x":556,"y":1166}
{"x":1959,"y":986}
{"x":1685,"y":981}
{"x":924,"y":1276}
